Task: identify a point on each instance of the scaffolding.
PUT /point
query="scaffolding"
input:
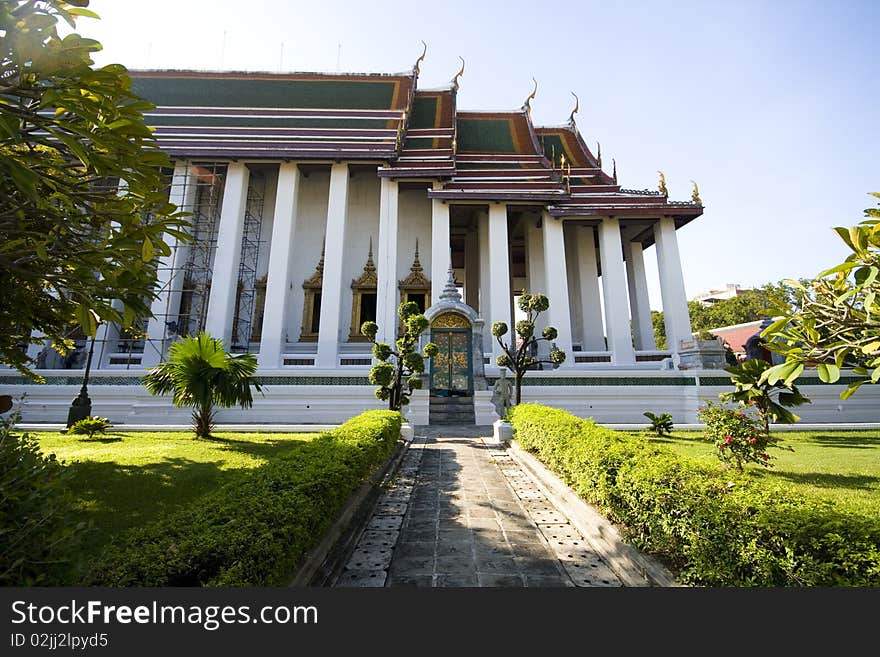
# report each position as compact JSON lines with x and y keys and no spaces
{"x":205,"y":219}
{"x":244,"y":331}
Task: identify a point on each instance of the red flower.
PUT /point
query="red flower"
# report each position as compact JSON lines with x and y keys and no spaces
{"x":728,"y":439}
{"x":765,"y":456}
{"x":753,"y":440}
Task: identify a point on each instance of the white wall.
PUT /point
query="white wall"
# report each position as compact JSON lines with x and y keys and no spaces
{"x":414,"y":221}
{"x":362,"y":223}
{"x":311,"y":222}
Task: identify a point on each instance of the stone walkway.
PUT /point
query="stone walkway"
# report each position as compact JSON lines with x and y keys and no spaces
{"x":461,"y":512}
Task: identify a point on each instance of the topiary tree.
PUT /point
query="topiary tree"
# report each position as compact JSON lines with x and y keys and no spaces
{"x":201,"y":375}
{"x":398,"y":379}
{"x":519,"y":359}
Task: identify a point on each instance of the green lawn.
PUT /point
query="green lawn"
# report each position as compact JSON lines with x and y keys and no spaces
{"x":126,"y":479}
{"x":843,"y":466}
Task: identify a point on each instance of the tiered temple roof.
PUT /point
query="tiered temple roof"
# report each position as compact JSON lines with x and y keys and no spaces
{"x":408,"y":132}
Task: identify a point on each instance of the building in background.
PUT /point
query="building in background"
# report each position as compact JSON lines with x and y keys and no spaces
{"x":321,"y":201}
{"x":729,"y":291}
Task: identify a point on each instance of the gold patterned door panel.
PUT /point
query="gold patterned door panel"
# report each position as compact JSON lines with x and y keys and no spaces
{"x":451,"y":367}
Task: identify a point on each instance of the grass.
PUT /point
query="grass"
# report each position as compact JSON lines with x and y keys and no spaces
{"x":122,"y":480}
{"x":843,"y":466}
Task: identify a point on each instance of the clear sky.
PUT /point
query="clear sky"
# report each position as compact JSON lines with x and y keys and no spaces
{"x":772,"y":107}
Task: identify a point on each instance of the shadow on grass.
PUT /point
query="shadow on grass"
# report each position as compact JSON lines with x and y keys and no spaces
{"x":112,"y":497}
{"x":823,"y":479}
{"x":672,"y":439}
{"x":103,"y":438}
{"x":871,"y":441}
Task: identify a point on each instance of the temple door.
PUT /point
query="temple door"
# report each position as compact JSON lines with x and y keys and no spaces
{"x":452,"y":367}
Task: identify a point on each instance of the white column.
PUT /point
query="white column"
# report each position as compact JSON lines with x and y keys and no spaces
{"x":614,"y":292}
{"x":639,"y":305}
{"x":499,"y":274}
{"x":536,"y":281}
{"x":107,"y":337}
{"x":440,"y":253}
{"x":556,"y":276}
{"x":675,"y":309}
{"x":169,"y":274}
{"x":274,"y":335}
{"x":387,"y":294}
{"x":485,"y":305}
{"x":227,"y":258}
{"x":591,"y":302}
{"x":334,"y":251}
{"x":574,"y":284}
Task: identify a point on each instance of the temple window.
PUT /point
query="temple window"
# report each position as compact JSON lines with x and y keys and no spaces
{"x":415,"y":287}
{"x":311,"y":321}
{"x":363,"y":298}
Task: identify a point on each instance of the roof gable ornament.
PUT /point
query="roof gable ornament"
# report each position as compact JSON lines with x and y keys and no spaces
{"x":614,"y":174}
{"x":459,"y":74}
{"x":599,"y":154}
{"x":315,"y":280}
{"x":662,"y":185}
{"x":368,"y":278}
{"x":527,"y":106}
{"x":421,"y":58}
{"x":695,"y":195}
{"x":416,"y":278}
{"x":577,"y":105}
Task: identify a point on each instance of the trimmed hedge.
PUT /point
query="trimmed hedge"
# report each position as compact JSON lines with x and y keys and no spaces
{"x":256,"y":530}
{"x":715,"y":526}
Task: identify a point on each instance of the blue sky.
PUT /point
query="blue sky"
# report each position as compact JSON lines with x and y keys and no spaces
{"x":771,"y":107}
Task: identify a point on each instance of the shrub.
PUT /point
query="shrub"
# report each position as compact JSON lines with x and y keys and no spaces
{"x":660,"y":424}
{"x":256,"y":530}
{"x":90,"y":426}
{"x":738,"y":436}
{"x":717,"y":527}
{"x":34,"y":530}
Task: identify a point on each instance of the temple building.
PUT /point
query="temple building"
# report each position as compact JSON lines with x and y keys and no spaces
{"x":320,"y":201}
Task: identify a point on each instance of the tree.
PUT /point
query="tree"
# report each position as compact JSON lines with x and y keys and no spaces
{"x":200,"y":375}
{"x":83,"y":204}
{"x":391,"y":377}
{"x":770,"y":399}
{"x":520,"y":359}
{"x":659,"y":329}
{"x":837,"y":320}
{"x":749,"y":306}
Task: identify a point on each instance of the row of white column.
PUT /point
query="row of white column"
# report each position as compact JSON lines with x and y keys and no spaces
{"x":619,"y":281}
{"x":628,"y":327}
{"x":227,"y":258}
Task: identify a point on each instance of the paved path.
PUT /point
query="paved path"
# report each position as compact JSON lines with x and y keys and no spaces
{"x":461,"y":512}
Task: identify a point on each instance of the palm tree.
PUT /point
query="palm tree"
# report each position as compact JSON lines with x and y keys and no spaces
{"x":201,"y":375}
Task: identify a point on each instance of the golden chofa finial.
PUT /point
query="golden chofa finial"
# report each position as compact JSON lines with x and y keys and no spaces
{"x":695,"y":195}
{"x":662,"y":185}
{"x":599,"y":154}
{"x":527,"y":106}
{"x":577,"y":105}
{"x":614,"y":171}
{"x":459,"y":74}
{"x":416,"y":66}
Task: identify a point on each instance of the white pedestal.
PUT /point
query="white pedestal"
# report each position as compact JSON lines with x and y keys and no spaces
{"x":502,"y":432}
{"x":406,"y":432}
